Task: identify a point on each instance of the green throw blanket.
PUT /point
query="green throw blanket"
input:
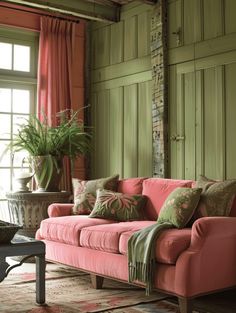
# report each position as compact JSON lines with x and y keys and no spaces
{"x":141,"y":254}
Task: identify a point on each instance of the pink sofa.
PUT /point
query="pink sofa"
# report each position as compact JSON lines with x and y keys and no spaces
{"x":190,"y":262}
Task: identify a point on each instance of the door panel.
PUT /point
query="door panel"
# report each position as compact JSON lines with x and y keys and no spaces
{"x":202,"y":109}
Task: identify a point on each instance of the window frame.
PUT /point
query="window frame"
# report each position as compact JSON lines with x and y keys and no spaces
{"x":13,"y":79}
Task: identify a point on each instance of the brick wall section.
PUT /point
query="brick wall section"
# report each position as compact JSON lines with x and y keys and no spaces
{"x":159,"y":88}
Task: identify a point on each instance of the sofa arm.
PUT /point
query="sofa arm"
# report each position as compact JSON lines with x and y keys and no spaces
{"x":209,"y":262}
{"x":59,"y":209}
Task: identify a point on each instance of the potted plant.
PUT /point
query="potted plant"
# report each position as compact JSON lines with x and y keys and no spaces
{"x":48,"y":145}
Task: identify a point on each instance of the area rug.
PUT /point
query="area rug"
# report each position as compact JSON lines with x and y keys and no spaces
{"x":70,"y":291}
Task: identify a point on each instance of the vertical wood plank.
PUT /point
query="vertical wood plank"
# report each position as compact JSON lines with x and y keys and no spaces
{"x":143,"y":34}
{"x":230,"y":23}
{"x":102,"y":136}
{"x":130,"y":39}
{"x":172,"y":122}
{"x":116,"y":131}
{"x":117,"y":42}
{"x":130,"y":131}
{"x":174,"y":22}
{"x":102,"y":47}
{"x":220,"y":127}
{"x":180,"y":127}
{"x":213,"y":137}
{"x":189,"y":125}
{"x":144,"y":129}
{"x":230,"y":74}
{"x":213,"y":18}
{"x":199,"y":124}
{"x":93,"y":99}
{"x":192,"y":21}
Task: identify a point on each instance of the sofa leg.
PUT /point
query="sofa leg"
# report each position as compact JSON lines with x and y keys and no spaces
{"x":97,"y":281}
{"x":185,"y":305}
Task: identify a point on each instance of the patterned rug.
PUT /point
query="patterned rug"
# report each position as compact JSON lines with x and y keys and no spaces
{"x":70,"y":291}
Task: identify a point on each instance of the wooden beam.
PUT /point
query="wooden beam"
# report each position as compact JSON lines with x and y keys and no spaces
{"x":78,"y":8}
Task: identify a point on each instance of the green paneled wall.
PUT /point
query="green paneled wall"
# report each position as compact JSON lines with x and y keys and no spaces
{"x":121,"y":94}
{"x":202,"y":93}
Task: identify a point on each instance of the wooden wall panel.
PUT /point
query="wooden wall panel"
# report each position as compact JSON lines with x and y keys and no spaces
{"x":117,"y":43}
{"x":121,"y":95}
{"x":201,"y":90}
{"x":143,"y":34}
{"x":116,"y":130}
{"x":213,"y":18}
{"x":189,"y":125}
{"x":174,"y":23}
{"x":230,"y":96}
{"x":130,"y":38}
{"x":192,"y":21}
{"x":144,"y":129}
{"x":130,"y":131}
{"x":230,"y":11}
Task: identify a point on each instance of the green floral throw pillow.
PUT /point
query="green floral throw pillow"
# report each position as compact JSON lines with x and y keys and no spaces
{"x":118,"y":206}
{"x":85,"y":192}
{"x":217,"y":197}
{"x":179,"y":206}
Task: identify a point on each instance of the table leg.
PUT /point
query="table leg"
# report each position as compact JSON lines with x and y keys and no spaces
{"x":40,"y":279}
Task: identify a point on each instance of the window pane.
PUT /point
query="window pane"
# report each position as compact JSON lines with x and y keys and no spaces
{"x":21,"y":101}
{"x":5,"y":159}
{"x":19,"y":157}
{"x":17,"y":121}
{"x":5,"y":56}
{"x":5,"y":100}
{"x":5,"y":126}
{"x":4,"y":213}
{"x":5,"y":183}
{"x":21,"y":58}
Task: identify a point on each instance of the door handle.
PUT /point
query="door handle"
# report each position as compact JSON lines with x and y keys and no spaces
{"x":177,"y":137}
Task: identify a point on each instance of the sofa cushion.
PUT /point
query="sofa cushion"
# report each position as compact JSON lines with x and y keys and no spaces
{"x":66,"y":229}
{"x":179,"y":206}
{"x":118,"y":206}
{"x":85,"y":192}
{"x":131,"y":185}
{"x":170,"y":244}
{"x":217,"y":197}
{"x":106,"y":237}
{"x":157,"y":190}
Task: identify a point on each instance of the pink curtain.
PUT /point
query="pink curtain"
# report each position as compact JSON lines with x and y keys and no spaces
{"x":56,"y":45}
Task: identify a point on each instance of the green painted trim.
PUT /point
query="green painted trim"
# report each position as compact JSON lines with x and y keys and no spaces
{"x":218,"y":59}
{"x":123,"y":81}
{"x":127,"y":13}
{"x":121,"y":69}
{"x":202,"y":49}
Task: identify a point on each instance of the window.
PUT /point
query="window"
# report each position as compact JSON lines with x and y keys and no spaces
{"x":18,"y":60}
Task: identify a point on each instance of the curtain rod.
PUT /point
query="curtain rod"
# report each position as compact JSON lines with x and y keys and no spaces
{"x":58,"y":10}
{"x":42,"y":13}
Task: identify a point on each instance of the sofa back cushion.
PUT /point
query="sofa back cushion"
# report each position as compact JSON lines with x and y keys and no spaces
{"x":131,"y":185}
{"x":157,"y":190}
{"x":233,"y":209}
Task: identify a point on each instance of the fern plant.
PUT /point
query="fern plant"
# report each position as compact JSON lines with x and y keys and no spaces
{"x":51,"y":143}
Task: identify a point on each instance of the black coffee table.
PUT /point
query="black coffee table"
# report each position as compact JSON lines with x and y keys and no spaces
{"x":28,"y":247}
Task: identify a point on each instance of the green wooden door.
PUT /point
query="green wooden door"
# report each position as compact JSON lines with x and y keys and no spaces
{"x":202,"y":117}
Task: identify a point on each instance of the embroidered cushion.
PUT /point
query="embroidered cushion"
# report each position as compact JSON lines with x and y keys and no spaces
{"x":85,"y":192}
{"x":217,"y":197}
{"x":118,"y":206}
{"x":179,"y":206}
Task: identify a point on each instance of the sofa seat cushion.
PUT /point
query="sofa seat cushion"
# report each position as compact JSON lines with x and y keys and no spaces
{"x":106,"y":237}
{"x":170,"y":244}
{"x":66,"y":229}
